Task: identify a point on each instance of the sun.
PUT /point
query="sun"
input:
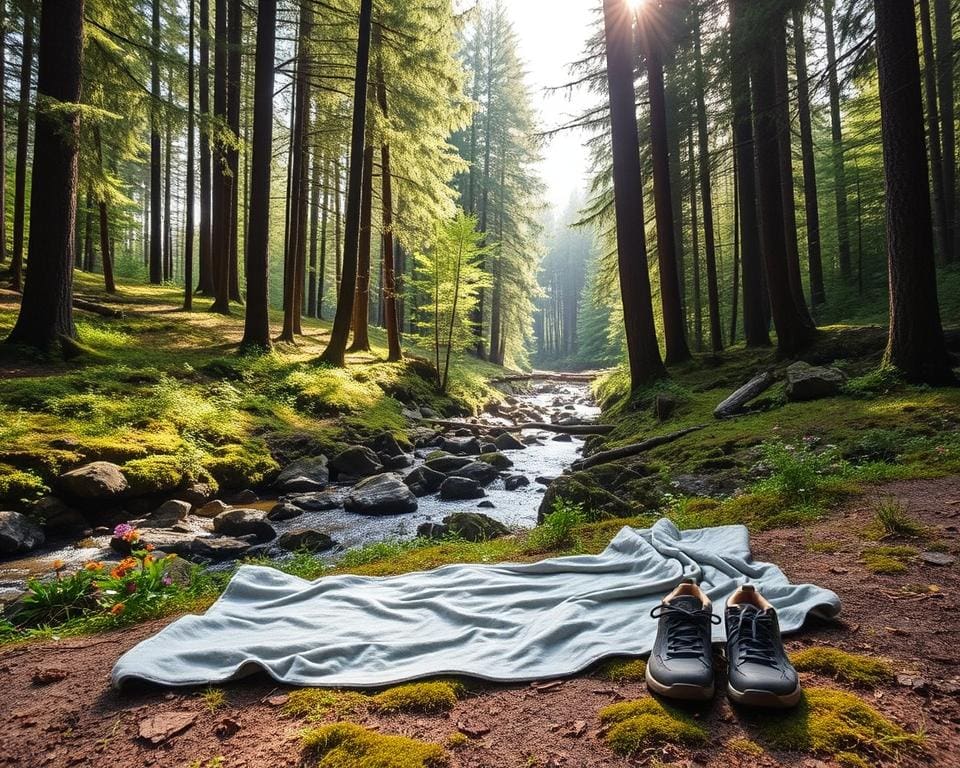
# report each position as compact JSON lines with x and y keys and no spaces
{"x":636,"y":5}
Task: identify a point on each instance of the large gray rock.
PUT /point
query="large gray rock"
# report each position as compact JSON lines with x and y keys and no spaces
{"x":424,"y":481}
{"x":212,"y":508}
{"x":462,"y":446}
{"x":383,"y":494}
{"x":811,"y":382}
{"x":98,"y":481}
{"x":220,"y":548}
{"x":197,"y":494}
{"x":460,"y":488}
{"x":303,"y":475}
{"x":399,"y":461}
{"x":496,"y":460}
{"x":507,"y":442}
{"x":167,"y":514}
{"x":244,"y":522}
{"x":386,"y":444}
{"x":305,"y":539}
{"x":173,"y":542}
{"x":447,"y":464}
{"x":513,"y":482}
{"x":479,"y":471}
{"x":57,"y":517}
{"x":474,"y":526}
{"x":18,"y":533}
{"x":357,"y":461}
{"x":432,"y":530}
{"x":315,"y":502}
{"x":284,"y":511}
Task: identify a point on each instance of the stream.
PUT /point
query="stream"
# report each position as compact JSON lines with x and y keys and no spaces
{"x":546,"y":457}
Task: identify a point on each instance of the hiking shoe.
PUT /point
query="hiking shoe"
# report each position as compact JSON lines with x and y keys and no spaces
{"x":758,"y":670}
{"x":681,"y":662}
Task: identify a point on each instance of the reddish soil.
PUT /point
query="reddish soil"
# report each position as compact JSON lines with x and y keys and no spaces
{"x":78,"y":720}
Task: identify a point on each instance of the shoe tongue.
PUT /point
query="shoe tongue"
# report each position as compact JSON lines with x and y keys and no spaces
{"x":687,"y":602}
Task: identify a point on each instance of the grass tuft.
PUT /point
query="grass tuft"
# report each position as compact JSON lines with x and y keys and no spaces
{"x":845,"y":667}
{"x":348,"y":745}
{"x":890,"y":518}
{"x":636,"y":725}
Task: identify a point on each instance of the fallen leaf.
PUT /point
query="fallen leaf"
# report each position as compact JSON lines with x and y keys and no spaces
{"x":278,"y":701}
{"x":473,"y":730}
{"x":159,"y":728}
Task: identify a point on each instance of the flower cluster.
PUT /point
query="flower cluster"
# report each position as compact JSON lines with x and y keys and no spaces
{"x":127,"y":533}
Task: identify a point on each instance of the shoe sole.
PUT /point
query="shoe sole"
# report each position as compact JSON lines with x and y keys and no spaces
{"x":680,"y":691}
{"x":755,"y":698}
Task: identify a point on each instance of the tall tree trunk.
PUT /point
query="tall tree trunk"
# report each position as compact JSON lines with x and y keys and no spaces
{"x":735,"y":292}
{"x":87,"y":256}
{"x":478,"y":313}
{"x":361,"y":336}
{"x":787,"y":192}
{"x":839,"y":173}
{"x":643,"y":350}
{"x":156,"y":167}
{"x":915,"y":345}
{"x":294,"y":263}
{"x":673,"y":321}
{"x":23,"y":138}
{"x":695,"y":244}
{"x":709,"y":236}
{"x":314,"y":229}
{"x":220,"y":217}
{"x":234,"y":43}
{"x":389,"y":282}
{"x":256,"y":324}
{"x":751,"y":268}
{"x":674,"y":130}
{"x":941,"y":234}
{"x":794,"y":332}
{"x":167,"y":191}
{"x":334,"y":353}
{"x":818,"y":294}
{"x":337,"y":213}
{"x":3,"y":132}
{"x":46,"y":310}
{"x":205,"y":281}
{"x":324,"y":219}
{"x":106,"y":247}
{"x":945,"y":70}
{"x":188,"y":236}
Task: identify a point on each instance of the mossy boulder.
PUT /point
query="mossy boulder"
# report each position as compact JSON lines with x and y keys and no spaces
{"x":348,"y":745}
{"x":237,"y":466}
{"x":152,"y":475}
{"x":474,"y":526}
{"x":496,"y":460}
{"x":608,"y":490}
{"x":478,"y":471}
{"x":99,"y":481}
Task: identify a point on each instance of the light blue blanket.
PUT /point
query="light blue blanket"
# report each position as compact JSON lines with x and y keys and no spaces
{"x":503,"y":622}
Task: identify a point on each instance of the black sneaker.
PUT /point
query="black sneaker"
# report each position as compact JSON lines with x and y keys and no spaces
{"x":681,"y":662}
{"x":759,"y":672}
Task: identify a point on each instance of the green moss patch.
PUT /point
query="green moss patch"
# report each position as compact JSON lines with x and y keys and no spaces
{"x":745,"y":747}
{"x":17,"y":485}
{"x":348,"y":745}
{"x":153,"y":474}
{"x":845,"y":667}
{"x":623,"y":670}
{"x":430,"y":697}
{"x":834,"y":723}
{"x":324,"y":703}
{"x":239,"y":466}
{"x":887,"y":560}
{"x":635,"y":725}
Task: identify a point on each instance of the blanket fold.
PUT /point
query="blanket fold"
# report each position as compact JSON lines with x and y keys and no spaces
{"x":504,"y":622}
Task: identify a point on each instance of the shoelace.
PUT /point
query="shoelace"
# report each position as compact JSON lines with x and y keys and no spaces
{"x":684,"y":640}
{"x":758,"y":645}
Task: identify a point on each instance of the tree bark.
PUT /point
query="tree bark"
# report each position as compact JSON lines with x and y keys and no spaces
{"x":361,"y":335}
{"x":709,"y":236}
{"x":234,"y":43}
{"x":188,"y":237}
{"x":3,"y":132}
{"x":674,"y":330}
{"x":946,"y":88}
{"x":86,"y":259}
{"x":754,"y":295}
{"x":839,"y":173}
{"x":389,"y":283}
{"x":334,"y":353}
{"x":168,"y":168}
{"x":695,"y":244}
{"x":794,"y":331}
{"x":818,"y":294}
{"x":314,"y":229}
{"x":205,"y":281}
{"x":156,"y":167}
{"x":220,"y":214}
{"x":106,"y":247}
{"x":46,"y":310}
{"x":942,"y":239}
{"x":324,"y":219}
{"x":23,"y":138}
{"x":915,"y":345}
{"x":256,"y":326}
{"x":643,"y":349}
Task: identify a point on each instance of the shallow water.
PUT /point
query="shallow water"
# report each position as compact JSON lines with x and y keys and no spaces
{"x":516,"y":509}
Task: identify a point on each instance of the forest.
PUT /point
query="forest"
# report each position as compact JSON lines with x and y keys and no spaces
{"x":298,"y":295}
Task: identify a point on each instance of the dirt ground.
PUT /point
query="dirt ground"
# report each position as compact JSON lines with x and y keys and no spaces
{"x":79,"y":720}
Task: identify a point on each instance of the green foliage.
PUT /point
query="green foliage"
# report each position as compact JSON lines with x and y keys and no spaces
{"x":318,"y":704}
{"x":797,"y":470}
{"x":834,"y":722}
{"x":348,"y":745}
{"x":623,"y":670}
{"x":636,"y":725}
{"x":845,"y":667}
{"x":214,"y":699}
{"x":891,"y":519}
{"x":240,"y":466}
{"x":558,"y":529}
{"x":153,"y":474}
{"x":430,"y":697}
{"x":18,"y":485}
{"x":879,"y":381}
{"x":888,"y":560}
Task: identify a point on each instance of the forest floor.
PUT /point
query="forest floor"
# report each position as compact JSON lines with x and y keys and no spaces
{"x":60,"y":711}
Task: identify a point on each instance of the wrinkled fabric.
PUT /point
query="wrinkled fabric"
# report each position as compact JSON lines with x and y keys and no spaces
{"x":503,"y":622}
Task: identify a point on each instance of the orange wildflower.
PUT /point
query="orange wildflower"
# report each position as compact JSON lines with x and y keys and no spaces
{"x":58,"y":565}
{"x":94,"y":566}
{"x":117,"y":609}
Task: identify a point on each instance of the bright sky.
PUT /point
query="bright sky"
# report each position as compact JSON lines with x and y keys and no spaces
{"x":553,"y":33}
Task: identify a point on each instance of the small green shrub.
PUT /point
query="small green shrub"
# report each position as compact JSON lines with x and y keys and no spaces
{"x":348,"y":745}
{"x":845,"y":667}
{"x":558,"y":529}
{"x":892,"y":519}
{"x":797,"y":470}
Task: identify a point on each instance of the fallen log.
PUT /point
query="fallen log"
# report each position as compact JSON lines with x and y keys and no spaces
{"x":626,"y":451}
{"x":735,"y":402}
{"x":544,"y":376}
{"x":564,"y":429}
{"x":98,"y":309}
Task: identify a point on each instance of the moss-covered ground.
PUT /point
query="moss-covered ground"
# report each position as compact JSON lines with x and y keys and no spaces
{"x":167,"y":395}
